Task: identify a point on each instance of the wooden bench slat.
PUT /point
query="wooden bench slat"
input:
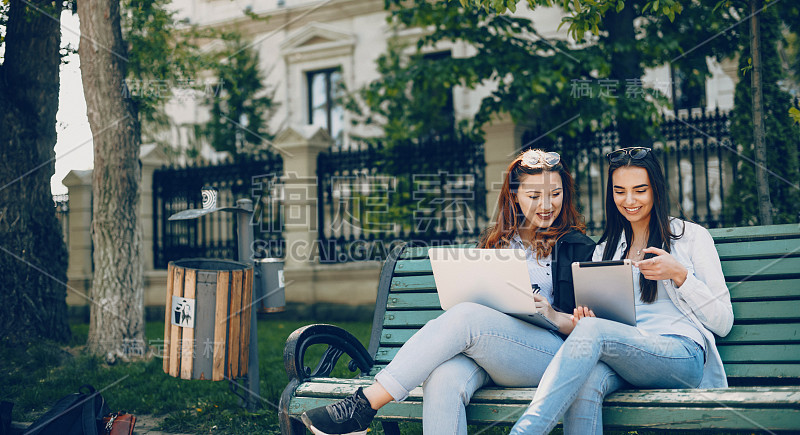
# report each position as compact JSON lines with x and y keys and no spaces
{"x":733,"y":269}
{"x":751,"y":311}
{"x":738,"y":396}
{"x":763,"y":232}
{"x":506,"y":404}
{"x":788,"y":353}
{"x":759,"y":352}
{"x":396,"y":337}
{"x":652,"y":417}
{"x":413,"y":267}
{"x":419,"y":252}
{"x":758,"y":249}
{"x":696,"y":419}
{"x":761,"y":269}
{"x":744,"y":309}
{"x":778,"y":332}
{"x":409,"y":318}
{"x":762,"y":290}
{"x":763,"y":370}
{"x":787,"y":333}
{"x":772,"y":311}
{"x":413,"y":301}
{"x":789,"y":371}
{"x":413,"y":283}
{"x":732,"y":370}
{"x":781,"y":288}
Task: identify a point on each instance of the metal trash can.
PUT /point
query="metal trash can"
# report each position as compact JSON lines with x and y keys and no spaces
{"x":270,"y":296}
{"x":207,"y":322}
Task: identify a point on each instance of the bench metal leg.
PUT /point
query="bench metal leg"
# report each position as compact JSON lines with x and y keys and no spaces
{"x":391,"y":428}
{"x":289,"y":425}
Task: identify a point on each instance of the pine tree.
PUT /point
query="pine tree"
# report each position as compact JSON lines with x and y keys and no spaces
{"x":241,"y":105}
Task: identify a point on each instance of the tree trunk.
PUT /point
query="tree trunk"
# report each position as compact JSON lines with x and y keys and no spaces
{"x":117,"y":314}
{"x":762,"y":186}
{"x":33,"y":258}
{"x":625,"y":66}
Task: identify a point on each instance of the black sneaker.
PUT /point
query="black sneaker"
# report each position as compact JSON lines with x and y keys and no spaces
{"x":350,"y":416}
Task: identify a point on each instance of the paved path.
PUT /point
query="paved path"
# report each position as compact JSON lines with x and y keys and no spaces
{"x":147,"y":424}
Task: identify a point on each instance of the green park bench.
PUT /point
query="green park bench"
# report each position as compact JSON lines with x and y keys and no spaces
{"x":761,"y":354}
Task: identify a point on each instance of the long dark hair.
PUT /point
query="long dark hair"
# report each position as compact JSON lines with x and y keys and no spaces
{"x":510,"y":216}
{"x":660,"y":233}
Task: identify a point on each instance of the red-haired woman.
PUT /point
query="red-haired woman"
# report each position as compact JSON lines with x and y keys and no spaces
{"x":471,"y":345}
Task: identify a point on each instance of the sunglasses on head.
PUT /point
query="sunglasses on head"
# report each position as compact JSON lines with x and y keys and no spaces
{"x":537,"y":158}
{"x":635,"y":153}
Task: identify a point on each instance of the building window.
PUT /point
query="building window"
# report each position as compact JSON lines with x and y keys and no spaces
{"x":324,"y":106}
{"x":688,"y":88}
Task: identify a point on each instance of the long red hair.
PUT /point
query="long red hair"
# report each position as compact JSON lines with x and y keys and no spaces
{"x":510,"y":216}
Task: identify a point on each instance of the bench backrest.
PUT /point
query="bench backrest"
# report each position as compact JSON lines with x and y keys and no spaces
{"x":761,"y":266}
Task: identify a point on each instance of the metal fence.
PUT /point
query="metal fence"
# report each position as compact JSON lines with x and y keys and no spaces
{"x":424,"y":192}
{"x":694,"y":149}
{"x":214,"y":235}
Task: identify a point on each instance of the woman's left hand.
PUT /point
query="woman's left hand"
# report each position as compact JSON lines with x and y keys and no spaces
{"x":662,"y":266}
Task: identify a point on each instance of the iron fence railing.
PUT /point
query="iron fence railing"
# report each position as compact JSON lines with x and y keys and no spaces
{"x":371,"y":196}
{"x":694,"y":149}
{"x":214,"y":235}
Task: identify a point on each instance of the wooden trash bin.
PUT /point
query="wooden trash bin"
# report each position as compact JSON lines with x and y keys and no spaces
{"x":213,"y":341}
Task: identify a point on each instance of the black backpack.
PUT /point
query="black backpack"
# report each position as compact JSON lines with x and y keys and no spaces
{"x":79,"y":413}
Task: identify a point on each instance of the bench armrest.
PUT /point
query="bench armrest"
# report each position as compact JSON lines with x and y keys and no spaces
{"x":339,"y":342}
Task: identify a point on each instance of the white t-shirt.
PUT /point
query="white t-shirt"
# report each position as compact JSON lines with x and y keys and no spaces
{"x":540,"y":272}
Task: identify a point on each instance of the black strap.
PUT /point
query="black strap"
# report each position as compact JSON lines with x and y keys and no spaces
{"x":87,"y":418}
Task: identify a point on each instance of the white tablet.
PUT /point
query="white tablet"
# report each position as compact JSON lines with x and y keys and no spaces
{"x":606,"y":287}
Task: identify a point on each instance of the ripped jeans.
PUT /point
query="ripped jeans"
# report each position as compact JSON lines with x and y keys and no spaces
{"x":465,"y":348}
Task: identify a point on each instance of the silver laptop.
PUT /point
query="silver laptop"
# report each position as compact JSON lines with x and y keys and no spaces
{"x":606,"y":287}
{"x":496,"y":278}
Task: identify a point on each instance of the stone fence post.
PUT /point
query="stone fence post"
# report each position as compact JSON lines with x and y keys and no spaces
{"x":300,"y":146}
{"x":503,"y":142}
{"x":79,"y":270}
{"x":152,"y":158}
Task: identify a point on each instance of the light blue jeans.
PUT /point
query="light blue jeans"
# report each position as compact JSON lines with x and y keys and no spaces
{"x":465,"y":348}
{"x":599,"y":357}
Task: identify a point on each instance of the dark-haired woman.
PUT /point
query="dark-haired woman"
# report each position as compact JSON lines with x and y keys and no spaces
{"x":681,"y":299}
{"x":472,"y":345}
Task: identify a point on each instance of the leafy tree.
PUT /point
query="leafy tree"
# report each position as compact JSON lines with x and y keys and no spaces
{"x":242,"y":105}
{"x":162,"y":61}
{"x":166,"y":62}
{"x":540,"y":82}
{"x":781,"y":135}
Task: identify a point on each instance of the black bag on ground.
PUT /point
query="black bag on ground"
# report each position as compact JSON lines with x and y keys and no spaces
{"x":76,"y":414}
{"x":5,"y":418}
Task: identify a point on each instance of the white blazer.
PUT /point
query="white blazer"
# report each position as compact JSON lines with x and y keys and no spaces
{"x":703,"y":297}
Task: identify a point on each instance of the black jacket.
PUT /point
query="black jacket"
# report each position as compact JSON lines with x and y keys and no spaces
{"x":571,"y":247}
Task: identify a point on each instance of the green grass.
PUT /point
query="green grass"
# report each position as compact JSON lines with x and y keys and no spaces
{"x":35,"y":376}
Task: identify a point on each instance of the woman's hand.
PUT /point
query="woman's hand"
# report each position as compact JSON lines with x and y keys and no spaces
{"x":663,"y":266}
{"x":544,"y":307}
{"x":561,"y":320}
{"x":579,"y":313}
